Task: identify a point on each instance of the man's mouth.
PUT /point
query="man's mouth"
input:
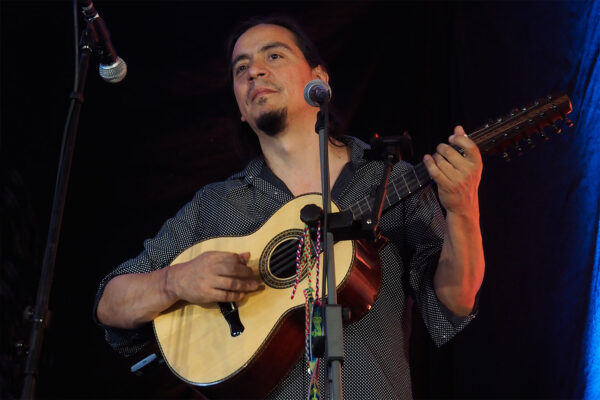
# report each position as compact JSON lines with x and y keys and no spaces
{"x":256,"y":93}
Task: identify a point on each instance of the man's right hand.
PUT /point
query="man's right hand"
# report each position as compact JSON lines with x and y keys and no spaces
{"x":213,"y":276}
{"x":131,"y":300}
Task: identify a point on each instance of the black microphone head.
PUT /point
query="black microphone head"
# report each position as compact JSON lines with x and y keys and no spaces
{"x":317,"y":92}
{"x":115,"y":72}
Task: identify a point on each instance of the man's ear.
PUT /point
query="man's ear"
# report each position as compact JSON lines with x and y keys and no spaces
{"x":319,"y":72}
{"x":242,"y":118}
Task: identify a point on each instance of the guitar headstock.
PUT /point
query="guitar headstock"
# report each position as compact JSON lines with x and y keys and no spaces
{"x":516,"y":128}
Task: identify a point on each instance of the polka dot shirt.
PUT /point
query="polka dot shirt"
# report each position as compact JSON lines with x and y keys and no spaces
{"x":376,"y":347}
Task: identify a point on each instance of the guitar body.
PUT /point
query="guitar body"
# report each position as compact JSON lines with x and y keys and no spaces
{"x":196,"y":341}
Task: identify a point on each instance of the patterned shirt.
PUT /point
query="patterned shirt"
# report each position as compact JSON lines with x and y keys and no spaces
{"x":376,"y":347}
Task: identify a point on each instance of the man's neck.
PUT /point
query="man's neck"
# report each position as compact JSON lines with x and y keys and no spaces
{"x":293,"y":155}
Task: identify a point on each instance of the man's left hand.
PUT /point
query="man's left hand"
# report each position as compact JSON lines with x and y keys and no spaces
{"x":457,"y":176}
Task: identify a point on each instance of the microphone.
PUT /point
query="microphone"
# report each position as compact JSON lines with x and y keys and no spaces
{"x":112,"y":67}
{"x":317,"y":93}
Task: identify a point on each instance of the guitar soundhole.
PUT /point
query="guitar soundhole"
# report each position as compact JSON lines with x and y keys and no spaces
{"x":277,"y":263}
{"x":283,"y":259}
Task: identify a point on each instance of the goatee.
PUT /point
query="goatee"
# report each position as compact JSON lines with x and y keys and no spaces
{"x":272,"y":122}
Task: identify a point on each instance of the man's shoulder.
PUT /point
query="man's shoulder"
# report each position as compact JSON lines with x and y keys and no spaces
{"x":239,"y":179}
{"x":357,"y":147}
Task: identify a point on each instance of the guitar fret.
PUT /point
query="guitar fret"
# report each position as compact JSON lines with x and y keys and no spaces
{"x":395,"y":189}
{"x":415,"y":174}
{"x":406,"y":184}
{"x":354,"y":216}
{"x":359,"y":207}
{"x":412,"y":182}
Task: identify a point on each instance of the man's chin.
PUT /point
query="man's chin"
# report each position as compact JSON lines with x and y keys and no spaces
{"x":272,"y":122}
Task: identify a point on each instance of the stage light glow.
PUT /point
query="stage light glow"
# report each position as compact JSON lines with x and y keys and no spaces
{"x":587,"y":94}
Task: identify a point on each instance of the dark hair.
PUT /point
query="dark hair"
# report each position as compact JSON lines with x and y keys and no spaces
{"x":306,"y":46}
{"x":248,"y":142}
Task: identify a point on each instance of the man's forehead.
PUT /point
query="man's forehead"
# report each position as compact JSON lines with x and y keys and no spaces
{"x":263,"y":36}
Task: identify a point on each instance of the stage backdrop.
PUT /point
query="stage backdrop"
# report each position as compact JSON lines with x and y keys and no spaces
{"x":147,"y":144}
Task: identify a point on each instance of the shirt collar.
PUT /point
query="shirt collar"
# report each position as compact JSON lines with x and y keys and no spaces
{"x":357,"y":150}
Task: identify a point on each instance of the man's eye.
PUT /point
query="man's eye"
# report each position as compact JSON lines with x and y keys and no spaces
{"x":274,"y":56}
{"x":240,"y":68}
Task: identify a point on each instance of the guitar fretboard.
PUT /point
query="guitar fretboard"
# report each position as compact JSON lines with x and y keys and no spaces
{"x":398,"y":188}
{"x":501,"y":133}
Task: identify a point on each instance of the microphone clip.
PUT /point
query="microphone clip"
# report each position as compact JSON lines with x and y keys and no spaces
{"x":112,"y":68}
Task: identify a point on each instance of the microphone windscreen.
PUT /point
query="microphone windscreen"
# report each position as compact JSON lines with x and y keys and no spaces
{"x":114,"y":72}
{"x":317,"y":92}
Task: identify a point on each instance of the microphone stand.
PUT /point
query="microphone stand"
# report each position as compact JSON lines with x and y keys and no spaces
{"x":334,"y":336}
{"x":342,"y":226}
{"x":39,"y":317}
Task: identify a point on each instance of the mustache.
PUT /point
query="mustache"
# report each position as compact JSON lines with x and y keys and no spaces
{"x":263,"y":85}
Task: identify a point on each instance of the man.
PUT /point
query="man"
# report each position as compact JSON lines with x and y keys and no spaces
{"x":440,"y":263}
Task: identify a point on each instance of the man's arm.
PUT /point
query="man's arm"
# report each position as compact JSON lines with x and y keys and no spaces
{"x":131,"y":300}
{"x":461,"y":267}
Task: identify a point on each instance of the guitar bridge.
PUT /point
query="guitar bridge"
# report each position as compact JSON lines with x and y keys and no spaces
{"x":232,"y":316}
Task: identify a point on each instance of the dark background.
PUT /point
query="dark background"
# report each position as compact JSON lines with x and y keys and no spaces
{"x":147,"y":144}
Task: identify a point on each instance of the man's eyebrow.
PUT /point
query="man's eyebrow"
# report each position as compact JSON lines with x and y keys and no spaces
{"x":266,"y":47}
{"x":272,"y":45}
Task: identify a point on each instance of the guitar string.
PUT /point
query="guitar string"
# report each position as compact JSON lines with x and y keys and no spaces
{"x":543,"y":105}
{"x":277,"y":266}
{"x":531,"y":115}
{"x":282,"y":250}
{"x":479,"y":137}
{"x":412,"y":182}
{"x":283,"y":261}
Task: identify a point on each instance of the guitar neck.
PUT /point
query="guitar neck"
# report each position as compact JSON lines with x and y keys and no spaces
{"x":500,"y":134}
{"x":398,"y":189}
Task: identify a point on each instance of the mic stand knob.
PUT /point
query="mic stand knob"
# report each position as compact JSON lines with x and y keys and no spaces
{"x":311,"y":214}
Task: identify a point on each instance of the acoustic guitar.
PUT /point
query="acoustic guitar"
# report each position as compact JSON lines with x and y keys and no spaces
{"x":246,"y":349}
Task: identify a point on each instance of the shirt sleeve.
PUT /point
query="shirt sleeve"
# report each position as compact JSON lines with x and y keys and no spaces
{"x":176,"y":235}
{"x":424,"y":236}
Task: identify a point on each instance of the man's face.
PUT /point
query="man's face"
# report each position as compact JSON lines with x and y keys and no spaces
{"x":269,"y":74}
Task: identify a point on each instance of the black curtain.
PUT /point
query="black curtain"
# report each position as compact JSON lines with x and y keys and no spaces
{"x":147,"y":144}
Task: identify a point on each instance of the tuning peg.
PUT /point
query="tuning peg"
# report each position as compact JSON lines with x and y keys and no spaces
{"x":520,"y":149}
{"x":530,"y":143}
{"x":556,"y":128}
{"x":568,"y":122}
{"x":506,"y":156}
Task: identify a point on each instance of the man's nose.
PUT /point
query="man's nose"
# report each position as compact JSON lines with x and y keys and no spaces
{"x":257,"y":69}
